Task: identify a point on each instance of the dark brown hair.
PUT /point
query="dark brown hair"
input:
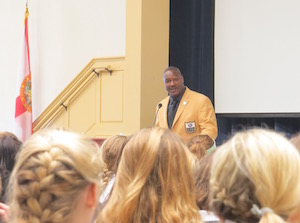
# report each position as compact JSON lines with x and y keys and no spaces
{"x":202,"y":176}
{"x":9,"y":147}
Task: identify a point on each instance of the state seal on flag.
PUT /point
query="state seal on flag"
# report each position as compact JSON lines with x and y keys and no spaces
{"x":25,"y":93}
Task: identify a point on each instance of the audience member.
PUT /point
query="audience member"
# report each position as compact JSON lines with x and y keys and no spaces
{"x":9,"y":146}
{"x":154,"y":182}
{"x":295,"y":215}
{"x":111,"y":150}
{"x":199,"y":145}
{"x":4,"y":212}
{"x":202,"y":177}
{"x":56,"y":179}
{"x":255,"y":177}
{"x":295,"y":140}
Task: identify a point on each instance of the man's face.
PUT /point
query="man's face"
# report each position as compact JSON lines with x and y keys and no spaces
{"x":174,"y":83}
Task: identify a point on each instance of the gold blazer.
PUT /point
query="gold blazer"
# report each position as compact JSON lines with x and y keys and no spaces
{"x":195,"y":116}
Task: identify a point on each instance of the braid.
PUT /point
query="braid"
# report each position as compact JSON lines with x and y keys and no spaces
{"x":112,"y":149}
{"x":236,"y":202}
{"x":38,"y":190}
{"x":54,"y":172}
{"x":253,"y":177}
{"x":107,"y":174}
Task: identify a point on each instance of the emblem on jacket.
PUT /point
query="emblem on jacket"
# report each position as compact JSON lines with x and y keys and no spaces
{"x":190,"y":127}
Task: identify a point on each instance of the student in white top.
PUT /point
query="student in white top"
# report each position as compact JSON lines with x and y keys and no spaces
{"x":111,"y":152}
{"x":202,"y":177}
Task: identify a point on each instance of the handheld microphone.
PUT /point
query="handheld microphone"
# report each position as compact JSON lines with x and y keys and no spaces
{"x":159,"y":106}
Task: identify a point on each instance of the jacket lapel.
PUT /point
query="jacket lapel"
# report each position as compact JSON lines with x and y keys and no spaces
{"x":164,"y":113}
{"x":184,"y":101}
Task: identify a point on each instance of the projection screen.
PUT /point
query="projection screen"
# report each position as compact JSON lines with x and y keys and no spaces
{"x":257,"y":56}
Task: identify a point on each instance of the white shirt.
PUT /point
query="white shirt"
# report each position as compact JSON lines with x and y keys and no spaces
{"x":105,"y":194}
{"x":208,"y":216}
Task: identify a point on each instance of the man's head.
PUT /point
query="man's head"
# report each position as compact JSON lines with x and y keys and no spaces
{"x":173,"y":80}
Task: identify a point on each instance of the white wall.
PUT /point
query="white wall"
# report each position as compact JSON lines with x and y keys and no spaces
{"x":63,"y":37}
{"x":257,"y":56}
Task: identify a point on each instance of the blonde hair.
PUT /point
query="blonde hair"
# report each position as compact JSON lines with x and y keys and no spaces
{"x":154,"y":182}
{"x":53,"y":167}
{"x":111,"y":150}
{"x":295,"y":216}
{"x":255,"y":168}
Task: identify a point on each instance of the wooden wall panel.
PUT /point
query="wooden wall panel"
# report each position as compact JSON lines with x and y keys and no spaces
{"x":60,"y":120}
{"x":111,"y":97}
{"x":82,"y":108}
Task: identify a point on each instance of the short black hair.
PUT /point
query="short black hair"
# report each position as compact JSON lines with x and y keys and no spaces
{"x":174,"y":70}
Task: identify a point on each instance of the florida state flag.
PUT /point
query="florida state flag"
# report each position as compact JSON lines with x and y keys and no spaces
{"x":23,"y":111}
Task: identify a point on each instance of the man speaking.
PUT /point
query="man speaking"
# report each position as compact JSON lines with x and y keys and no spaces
{"x":184,"y":111}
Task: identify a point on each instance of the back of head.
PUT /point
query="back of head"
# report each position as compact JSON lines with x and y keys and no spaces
{"x":154,"y":182}
{"x":9,"y":147}
{"x":202,"y":177}
{"x":111,"y":153}
{"x":199,"y":144}
{"x":255,"y":177}
{"x":295,"y":216}
{"x":53,"y":168}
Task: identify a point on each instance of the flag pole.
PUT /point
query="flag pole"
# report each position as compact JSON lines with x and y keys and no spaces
{"x":26,"y":12}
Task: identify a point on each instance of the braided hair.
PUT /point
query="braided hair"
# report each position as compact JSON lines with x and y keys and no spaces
{"x":52,"y":169}
{"x":256,"y":168}
{"x":111,"y":154}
